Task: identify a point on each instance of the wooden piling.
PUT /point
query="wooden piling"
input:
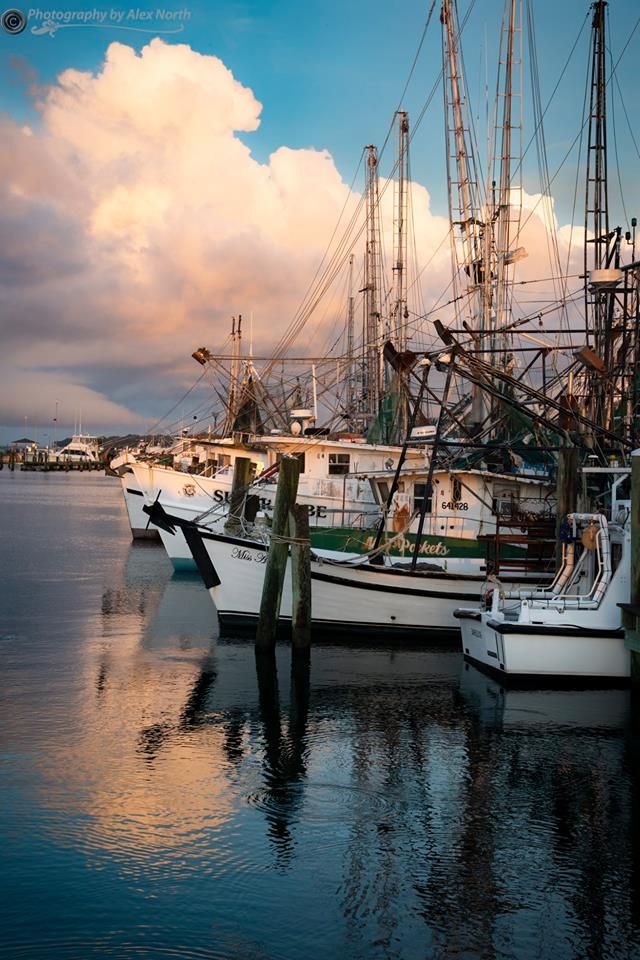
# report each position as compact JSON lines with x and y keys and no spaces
{"x":631,"y":620}
{"x":300,"y":577}
{"x":566,"y":490}
{"x":242,"y":477}
{"x":278,"y":552}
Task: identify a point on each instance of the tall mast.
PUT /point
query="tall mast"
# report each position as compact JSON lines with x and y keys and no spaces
{"x":351,"y":372}
{"x":601,"y":246}
{"x":507,"y":212}
{"x":373,"y":346}
{"x":463,"y":201}
{"x":399,"y":310}
{"x":467,"y":235}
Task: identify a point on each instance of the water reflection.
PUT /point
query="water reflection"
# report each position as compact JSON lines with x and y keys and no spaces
{"x":167,"y":794}
{"x":509,"y":708}
{"x":284,"y":753}
{"x":555,"y":794}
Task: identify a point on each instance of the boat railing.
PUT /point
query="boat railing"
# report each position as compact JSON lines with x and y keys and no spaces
{"x":596,"y":554}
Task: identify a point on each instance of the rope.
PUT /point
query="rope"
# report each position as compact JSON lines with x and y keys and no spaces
{"x":277,"y":538}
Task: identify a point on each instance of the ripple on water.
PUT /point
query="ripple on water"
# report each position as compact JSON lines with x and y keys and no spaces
{"x":321,"y":803}
{"x":119,"y":946}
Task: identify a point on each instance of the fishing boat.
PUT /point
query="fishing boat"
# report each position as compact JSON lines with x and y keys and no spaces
{"x":572,"y":628}
{"x":333,"y":484}
{"x":575,"y":628}
{"x":350,"y":596}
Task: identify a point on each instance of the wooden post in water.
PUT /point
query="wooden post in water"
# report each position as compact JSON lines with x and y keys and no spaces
{"x":566,"y":490}
{"x":300,"y":577}
{"x":277,"y":556}
{"x":240,"y":484}
{"x":631,"y":620}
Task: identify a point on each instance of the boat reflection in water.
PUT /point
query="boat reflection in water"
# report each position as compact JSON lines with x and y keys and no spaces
{"x":183,"y":792}
{"x":538,"y":710}
{"x":552,"y":785}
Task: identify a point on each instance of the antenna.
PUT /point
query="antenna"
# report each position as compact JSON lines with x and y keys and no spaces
{"x":399,"y":310}
{"x":374,"y":367}
{"x":351,"y":378}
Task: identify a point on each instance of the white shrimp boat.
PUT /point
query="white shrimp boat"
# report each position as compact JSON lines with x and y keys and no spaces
{"x":333,"y":485}
{"x":344,"y":508}
{"x":573,"y":629}
{"x":352,"y":597}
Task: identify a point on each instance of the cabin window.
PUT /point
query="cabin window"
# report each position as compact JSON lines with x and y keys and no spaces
{"x":506,"y":501}
{"x":419,"y":494}
{"x":339,"y":464}
{"x":383,"y":491}
{"x":217,"y":462}
{"x":456,"y":489}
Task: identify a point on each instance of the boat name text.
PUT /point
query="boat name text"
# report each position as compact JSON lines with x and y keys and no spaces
{"x":224,"y":496}
{"x":239,"y":553}
{"x":404,"y":545}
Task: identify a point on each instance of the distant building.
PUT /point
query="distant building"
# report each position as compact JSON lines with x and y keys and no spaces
{"x":24,"y":444}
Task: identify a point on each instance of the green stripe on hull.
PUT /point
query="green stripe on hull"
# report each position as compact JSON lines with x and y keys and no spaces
{"x":362,"y":541}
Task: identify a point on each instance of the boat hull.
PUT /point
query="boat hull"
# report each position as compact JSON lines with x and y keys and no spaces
{"x":347,"y":598}
{"x":134,"y":500}
{"x":531,"y":650}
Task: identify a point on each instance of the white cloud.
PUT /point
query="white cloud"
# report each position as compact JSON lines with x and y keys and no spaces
{"x":136,"y":222}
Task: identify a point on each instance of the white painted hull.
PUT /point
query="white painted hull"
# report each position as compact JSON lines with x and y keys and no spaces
{"x":354,"y":599}
{"x":188,"y":496}
{"x":576,"y":653}
{"x":180,"y":555}
{"x":134,"y":500}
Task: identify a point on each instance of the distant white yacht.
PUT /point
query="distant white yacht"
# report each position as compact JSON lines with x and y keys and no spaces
{"x":82,"y":448}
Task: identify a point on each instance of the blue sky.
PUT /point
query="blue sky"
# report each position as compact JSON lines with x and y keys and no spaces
{"x":329,"y":76}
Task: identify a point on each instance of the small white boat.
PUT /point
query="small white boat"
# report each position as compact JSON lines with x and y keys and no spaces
{"x":572,"y":629}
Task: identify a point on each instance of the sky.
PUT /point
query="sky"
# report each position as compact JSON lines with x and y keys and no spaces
{"x":167,"y":167}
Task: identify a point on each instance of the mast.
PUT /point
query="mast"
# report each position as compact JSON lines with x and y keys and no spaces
{"x":234,"y":378}
{"x":400,"y":190}
{"x":373,"y":339}
{"x":468,"y":255}
{"x":351,"y":372}
{"x":506,"y":212}
{"x":601,"y":245}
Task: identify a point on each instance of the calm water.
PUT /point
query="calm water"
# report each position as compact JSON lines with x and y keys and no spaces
{"x":163,"y":798}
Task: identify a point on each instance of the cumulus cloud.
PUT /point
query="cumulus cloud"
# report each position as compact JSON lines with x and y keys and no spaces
{"x":135,"y":221}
